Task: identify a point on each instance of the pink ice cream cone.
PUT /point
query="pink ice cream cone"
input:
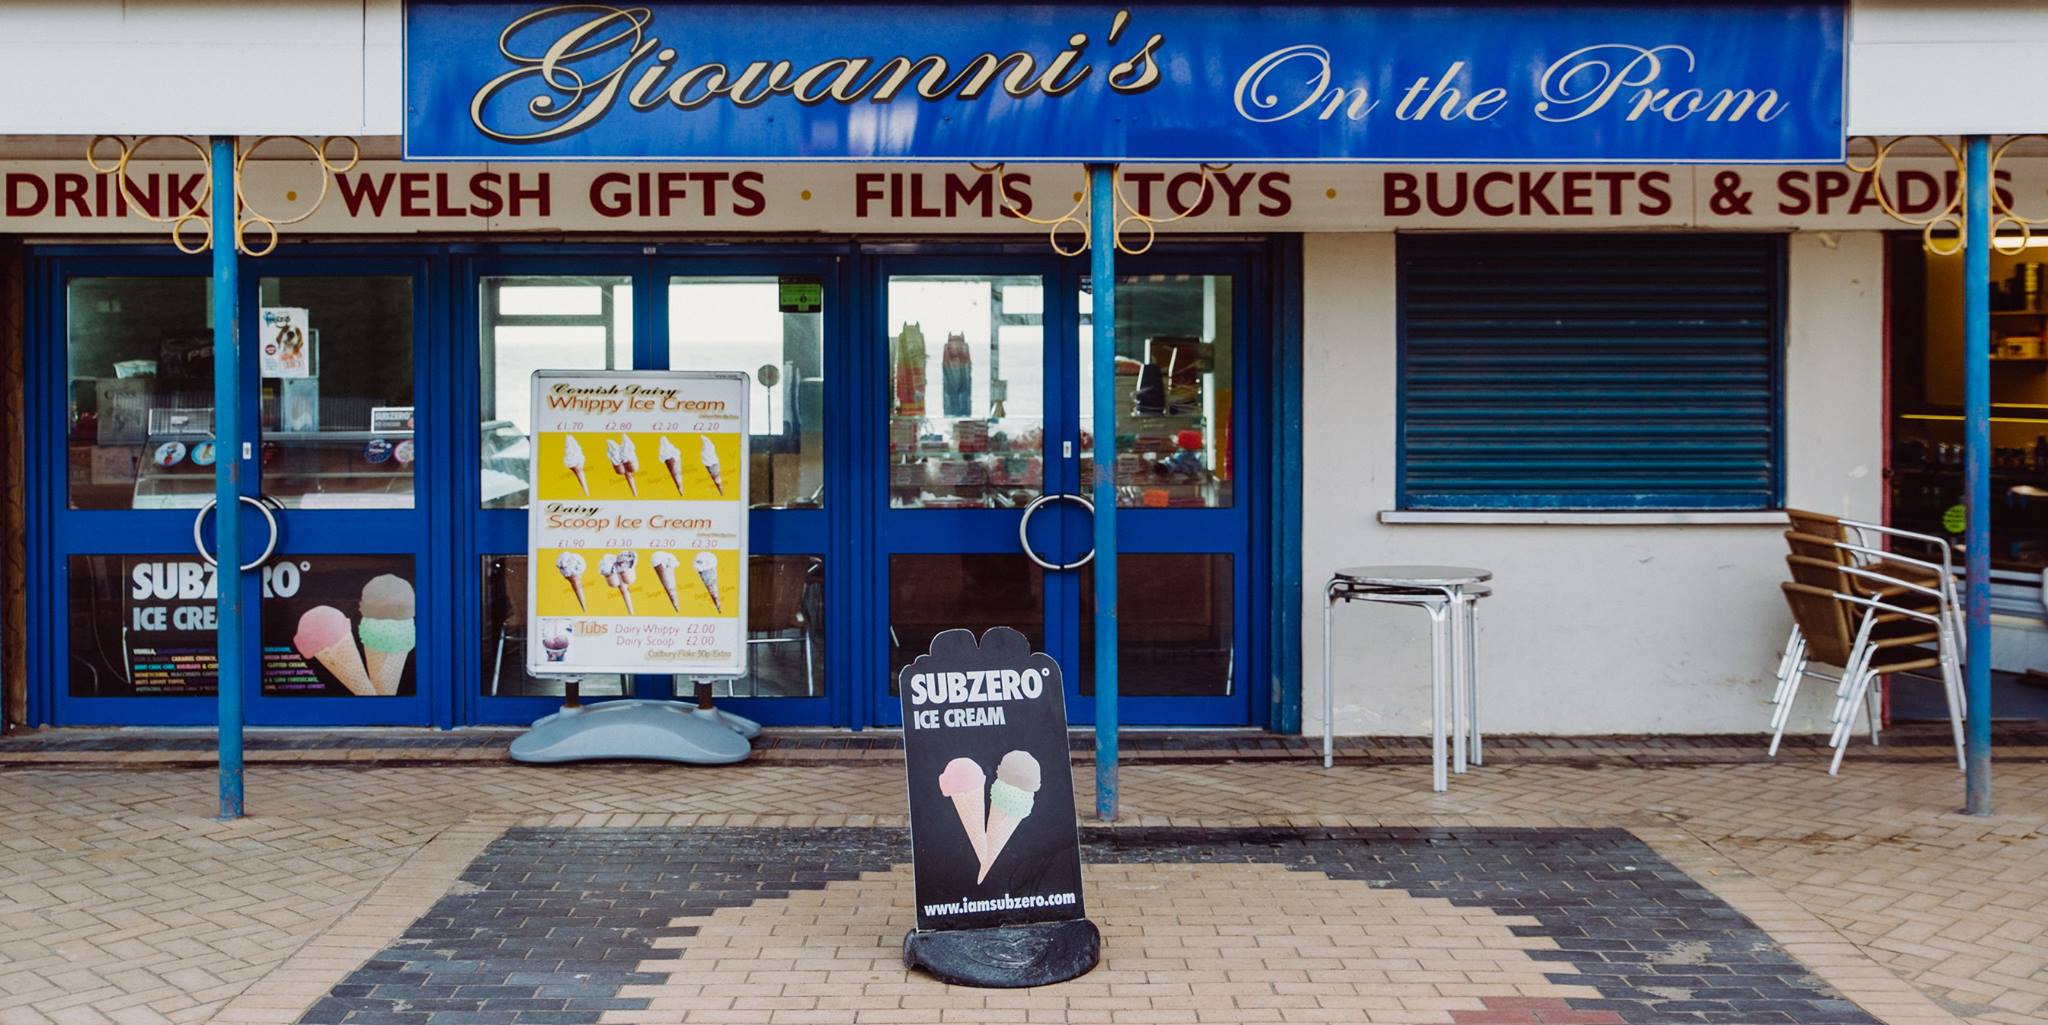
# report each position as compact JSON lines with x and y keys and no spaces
{"x":325,"y":637}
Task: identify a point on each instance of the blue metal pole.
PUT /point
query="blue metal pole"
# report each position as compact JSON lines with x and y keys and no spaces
{"x":1977,"y":466}
{"x":227,"y":474}
{"x":1102,"y":273}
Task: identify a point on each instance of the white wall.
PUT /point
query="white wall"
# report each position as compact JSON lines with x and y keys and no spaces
{"x":1592,"y":629}
{"x":1968,"y":66}
{"x":199,"y":67}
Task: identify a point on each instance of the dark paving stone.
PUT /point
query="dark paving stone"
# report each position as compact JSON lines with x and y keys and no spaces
{"x":548,"y":925}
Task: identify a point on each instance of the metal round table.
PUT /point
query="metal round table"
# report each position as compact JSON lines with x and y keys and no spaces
{"x":1450,"y":595}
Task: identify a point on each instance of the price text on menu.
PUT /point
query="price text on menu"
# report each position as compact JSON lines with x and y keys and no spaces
{"x":637,"y":523}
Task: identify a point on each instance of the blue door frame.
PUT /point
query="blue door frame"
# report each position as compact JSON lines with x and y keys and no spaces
{"x":449,"y":534}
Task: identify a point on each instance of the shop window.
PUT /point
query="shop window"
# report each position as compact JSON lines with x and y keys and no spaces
{"x":1176,"y":626}
{"x":1926,"y":475}
{"x":966,"y":392}
{"x":335,"y":356}
{"x":539,"y":323}
{"x":1174,"y":388}
{"x":139,"y":358}
{"x":1591,"y":372}
{"x":785,"y":631}
{"x":774,"y":329}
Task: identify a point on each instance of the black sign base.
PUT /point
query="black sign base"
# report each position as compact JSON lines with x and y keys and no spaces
{"x":1006,"y":957}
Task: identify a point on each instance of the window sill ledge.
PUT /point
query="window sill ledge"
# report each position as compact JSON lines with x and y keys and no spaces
{"x":1568,"y":518}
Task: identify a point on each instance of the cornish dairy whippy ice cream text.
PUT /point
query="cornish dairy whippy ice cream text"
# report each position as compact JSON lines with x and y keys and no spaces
{"x":636,"y":525}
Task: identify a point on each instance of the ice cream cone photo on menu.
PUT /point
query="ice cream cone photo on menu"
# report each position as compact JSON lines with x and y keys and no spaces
{"x":387,"y":630}
{"x":571,"y":566}
{"x":672,"y":461}
{"x":1010,"y":800}
{"x":665,"y":565}
{"x":572,"y":460}
{"x":706,"y":565}
{"x":713,"y":469}
{"x":324,"y":636}
{"x":625,"y":459}
{"x":619,"y":571}
{"x":966,"y":784}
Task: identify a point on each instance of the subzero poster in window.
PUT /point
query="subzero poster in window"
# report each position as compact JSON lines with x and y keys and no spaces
{"x":637,"y":530}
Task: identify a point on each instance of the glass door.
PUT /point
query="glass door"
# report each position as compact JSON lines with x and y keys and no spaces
{"x":124,"y":425}
{"x":989,"y":436}
{"x":348,"y":624}
{"x":528,"y":315}
{"x":1188,"y":559}
{"x":975,"y":427}
{"x":337,"y":634}
{"x":771,"y":317}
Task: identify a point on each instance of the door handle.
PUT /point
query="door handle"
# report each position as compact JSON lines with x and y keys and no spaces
{"x":1024,"y":531}
{"x":263,"y":506}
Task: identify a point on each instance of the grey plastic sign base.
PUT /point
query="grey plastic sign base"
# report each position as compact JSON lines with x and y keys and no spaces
{"x":666,"y":731}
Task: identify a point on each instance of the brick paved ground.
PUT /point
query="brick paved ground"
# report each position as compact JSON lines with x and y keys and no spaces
{"x":121,"y":901}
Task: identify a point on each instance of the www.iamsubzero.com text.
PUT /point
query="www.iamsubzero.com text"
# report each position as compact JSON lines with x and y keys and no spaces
{"x":1004,"y":903}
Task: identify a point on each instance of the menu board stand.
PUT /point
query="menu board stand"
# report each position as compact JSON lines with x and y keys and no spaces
{"x":637,"y":544}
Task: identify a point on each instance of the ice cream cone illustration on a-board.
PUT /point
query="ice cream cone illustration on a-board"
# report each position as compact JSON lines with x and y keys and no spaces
{"x":672,"y":461}
{"x":665,"y":564}
{"x":571,"y":566}
{"x":963,"y":781}
{"x":387,"y":630}
{"x":572,"y":458}
{"x":324,"y":636}
{"x":1010,"y":800}
{"x":625,"y":460}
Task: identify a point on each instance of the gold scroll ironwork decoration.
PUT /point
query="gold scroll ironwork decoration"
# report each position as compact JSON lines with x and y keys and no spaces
{"x":2004,"y":215}
{"x":1943,"y":230}
{"x":1071,"y":233}
{"x":250,"y":222}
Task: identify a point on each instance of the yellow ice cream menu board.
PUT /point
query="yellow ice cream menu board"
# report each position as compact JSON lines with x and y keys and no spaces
{"x":637,"y":523}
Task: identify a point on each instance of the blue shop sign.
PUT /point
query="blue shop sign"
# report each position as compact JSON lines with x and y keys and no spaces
{"x":1587,"y":82}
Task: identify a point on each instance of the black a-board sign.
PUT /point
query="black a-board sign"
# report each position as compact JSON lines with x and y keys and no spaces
{"x":995,"y":844}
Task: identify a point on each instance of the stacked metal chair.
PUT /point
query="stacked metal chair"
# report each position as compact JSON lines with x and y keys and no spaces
{"x":1871,"y":612}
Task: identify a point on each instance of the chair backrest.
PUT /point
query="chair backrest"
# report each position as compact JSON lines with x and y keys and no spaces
{"x":1814,"y":546}
{"x":1825,"y":574}
{"x":1817,"y":524}
{"x":1822,"y":620}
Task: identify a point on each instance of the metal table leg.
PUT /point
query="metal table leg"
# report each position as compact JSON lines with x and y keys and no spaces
{"x":1472,"y":675}
{"x":1459,"y":667}
{"x":1439,"y":692}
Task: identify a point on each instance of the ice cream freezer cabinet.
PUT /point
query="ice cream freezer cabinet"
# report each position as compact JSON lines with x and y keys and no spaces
{"x":918,"y":429}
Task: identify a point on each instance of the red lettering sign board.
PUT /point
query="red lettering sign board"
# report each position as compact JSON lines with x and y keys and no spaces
{"x":390,"y":197}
